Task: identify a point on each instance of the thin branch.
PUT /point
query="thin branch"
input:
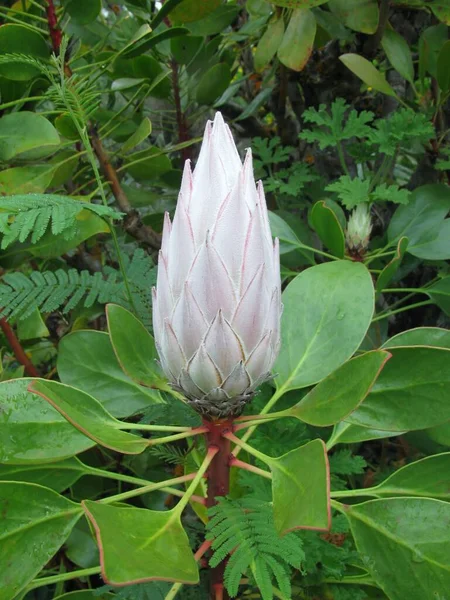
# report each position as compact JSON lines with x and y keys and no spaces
{"x":17,"y":349}
{"x":183,"y":134}
{"x":55,"y":31}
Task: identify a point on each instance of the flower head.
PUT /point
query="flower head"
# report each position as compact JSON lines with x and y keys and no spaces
{"x":217,"y":306}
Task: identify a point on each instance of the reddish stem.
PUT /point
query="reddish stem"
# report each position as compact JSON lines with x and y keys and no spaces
{"x":55,"y":32}
{"x":218,"y":485}
{"x":16,"y":347}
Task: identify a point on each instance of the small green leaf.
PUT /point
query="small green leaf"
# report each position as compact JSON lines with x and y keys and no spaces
{"x":34,"y":523}
{"x":428,"y":477}
{"x":410,"y":393}
{"x":82,"y":11}
{"x":26,"y":135}
{"x":26,"y":180}
{"x":359,"y":15}
{"x":151,"y":39}
{"x":141,"y":134}
{"x":326,"y":224}
{"x":87,"y":414}
{"x":87,"y":361}
{"x":269,"y":44}
{"x":300,"y":488}
{"x":339,"y":297}
{"x":298,"y":3}
{"x":439,"y":292}
{"x":134,"y":347}
{"x":405,"y":545}
{"x":392,"y":267}
{"x":19,"y":39}
{"x":430,"y":44}
{"x":421,"y":336}
{"x":365,"y":70}
{"x":193,"y":10}
{"x":398,"y":53}
{"x":298,"y":39}
{"x":339,"y":394}
{"x":213,"y":83}
{"x":138,"y":545}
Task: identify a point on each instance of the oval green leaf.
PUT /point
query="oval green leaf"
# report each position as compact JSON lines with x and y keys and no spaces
{"x":399,"y":54}
{"x":269,"y":44}
{"x":298,"y":39}
{"x":365,"y":70}
{"x":392,"y":267}
{"x":57,"y":476}
{"x":327,"y":311}
{"x":26,"y":135}
{"x":359,"y":15}
{"x":421,"y":336}
{"x":325,"y":223}
{"x":19,"y":39}
{"x":213,"y":83}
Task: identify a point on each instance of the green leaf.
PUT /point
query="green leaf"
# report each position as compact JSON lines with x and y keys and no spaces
{"x":57,"y":476}
{"x":26,"y":135}
{"x":88,"y":416}
{"x":215,"y":22}
{"x":430,"y":44}
{"x":34,"y":432}
{"x":398,"y":53}
{"x":151,"y":39}
{"x":346,"y":433}
{"x":86,"y":595}
{"x":365,"y":70}
{"x":411,"y":392}
{"x":35,"y":523}
{"x":213,"y":83}
{"x":148,"y":164}
{"x":192,"y":10}
{"x":393,"y":265}
{"x":421,"y":336}
{"x":403,"y":129}
{"x":281,"y":230}
{"x":298,"y":3}
{"x":359,"y":15}
{"x":141,"y":134}
{"x":327,"y":311}
{"x":83,"y":11}
{"x":405,"y":545}
{"x":86,"y":360}
{"x":134,"y":347}
{"x":351,"y":192}
{"x":300,"y":489}
{"x":26,"y":180}
{"x":326,"y":224}
{"x":269,"y":44}
{"x":251,"y":108}
{"x":138,"y":545}
{"x":441,"y":9}
{"x":298,"y":39}
{"x":184,"y":48}
{"x":390,"y":193}
{"x":420,"y":221}
{"x":439,"y":292}
{"x":19,"y":39}
{"x":428,"y":477}
{"x":339,"y":394}
{"x":439,"y":247}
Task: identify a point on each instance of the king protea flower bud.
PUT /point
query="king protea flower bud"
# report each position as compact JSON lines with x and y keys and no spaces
{"x":217,"y":307}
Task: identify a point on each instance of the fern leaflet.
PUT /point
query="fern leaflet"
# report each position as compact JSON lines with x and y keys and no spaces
{"x":244,"y":530}
{"x":22,"y":215}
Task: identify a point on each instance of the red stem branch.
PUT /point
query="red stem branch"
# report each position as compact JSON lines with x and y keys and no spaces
{"x":55,"y":31}
{"x":17,"y":349}
{"x":218,"y":485}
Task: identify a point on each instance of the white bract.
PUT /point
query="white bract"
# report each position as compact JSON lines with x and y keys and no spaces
{"x":217,"y":306}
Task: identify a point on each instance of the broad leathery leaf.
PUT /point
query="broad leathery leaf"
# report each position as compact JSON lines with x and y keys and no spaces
{"x":298,"y":39}
{"x":398,"y":53}
{"x":412,"y":534}
{"x":359,"y":15}
{"x":327,"y":312}
{"x":347,"y":433}
{"x":141,"y":134}
{"x":34,"y":431}
{"x":327,"y":226}
{"x":365,"y":70}
{"x":26,"y":135}
{"x":87,"y":414}
{"x":32,"y":179}
{"x":429,"y":477}
{"x":213,"y":83}
{"x":193,"y":10}
{"x":138,"y":545}
{"x":134,"y":347}
{"x":19,"y":39}
{"x":269,"y":44}
{"x":301,"y":489}
{"x":34,"y":523}
{"x":430,"y":44}
{"x":439,"y":292}
{"x":439,"y":247}
{"x":83,"y":12}
{"x":441,"y":9}
{"x":87,"y":361}
{"x":411,"y":392}
{"x":299,"y":3}
{"x":421,"y":336}
{"x":393,"y":265}
{"x":339,"y":394}
{"x":57,"y":476}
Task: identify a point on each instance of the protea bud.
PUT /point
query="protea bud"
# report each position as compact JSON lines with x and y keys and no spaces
{"x":216,"y":311}
{"x":359,"y":228}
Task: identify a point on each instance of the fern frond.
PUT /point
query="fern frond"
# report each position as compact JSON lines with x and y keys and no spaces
{"x":22,"y":215}
{"x":169,"y":454}
{"x":48,"y":291}
{"x":244,"y":530}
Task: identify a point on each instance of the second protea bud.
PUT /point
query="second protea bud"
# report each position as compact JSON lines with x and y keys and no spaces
{"x":217,"y":307}
{"x":359,"y":228}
